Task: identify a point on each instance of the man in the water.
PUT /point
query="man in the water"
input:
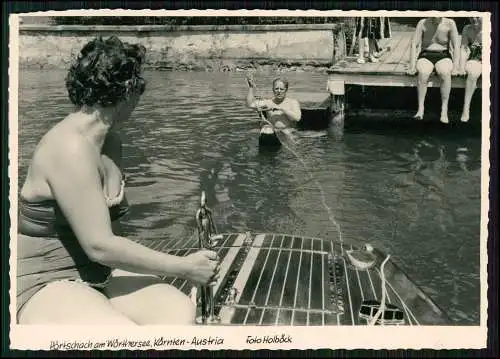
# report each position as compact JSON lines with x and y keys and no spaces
{"x":283,"y":112}
{"x":437,"y":38}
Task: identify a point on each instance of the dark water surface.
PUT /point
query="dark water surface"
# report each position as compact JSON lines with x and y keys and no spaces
{"x":414,"y":195}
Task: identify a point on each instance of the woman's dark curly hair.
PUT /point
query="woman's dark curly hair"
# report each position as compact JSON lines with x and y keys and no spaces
{"x":103,"y":72}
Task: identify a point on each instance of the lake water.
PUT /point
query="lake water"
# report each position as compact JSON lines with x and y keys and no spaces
{"x":414,"y":194}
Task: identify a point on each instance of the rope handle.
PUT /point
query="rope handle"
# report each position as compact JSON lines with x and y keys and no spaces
{"x":381,"y":309}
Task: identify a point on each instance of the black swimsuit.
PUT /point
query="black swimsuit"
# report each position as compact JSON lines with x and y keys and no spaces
{"x":48,"y":251}
{"x":476,"y":51}
{"x":434,"y":56}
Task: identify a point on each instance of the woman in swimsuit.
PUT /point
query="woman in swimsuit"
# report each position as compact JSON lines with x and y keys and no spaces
{"x":72,"y":266}
{"x":437,"y":38}
{"x":369,"y":30}
{"x":471,"y":61}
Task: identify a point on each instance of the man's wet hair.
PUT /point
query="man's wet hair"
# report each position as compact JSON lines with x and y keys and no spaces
{"x":281,"y":79}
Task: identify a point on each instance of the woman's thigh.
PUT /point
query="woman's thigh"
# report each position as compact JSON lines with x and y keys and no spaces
{"x":148,"y":300}
{"x":72,"y":303}
{"x":424,"y":67}
{"x":444,"y":67}
{"x":473,"y":68}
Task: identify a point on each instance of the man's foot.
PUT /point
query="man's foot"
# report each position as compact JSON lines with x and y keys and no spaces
{"x":373,"y":58}
{"x":444,"y":118}
{"x":360,"y":60}
{"x":464,"y":117}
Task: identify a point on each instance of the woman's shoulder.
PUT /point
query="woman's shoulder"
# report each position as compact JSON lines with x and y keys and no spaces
{"x":61,"y":141}
{"x":467,"y":28}
{"x":467,"y":31}
{"x":421,"y":23}
{"x":58,"y":152}
{"x":61,"y":147}
{"x":450,"y":21}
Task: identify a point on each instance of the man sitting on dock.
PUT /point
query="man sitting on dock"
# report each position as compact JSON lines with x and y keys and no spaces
{"x":437,"y":38}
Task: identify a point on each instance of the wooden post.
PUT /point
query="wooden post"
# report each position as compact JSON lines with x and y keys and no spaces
{"x":339,"y":44}
{"x":336,"y":88}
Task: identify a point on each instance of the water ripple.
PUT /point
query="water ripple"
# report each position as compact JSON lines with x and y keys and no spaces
{"x":415,"y":197}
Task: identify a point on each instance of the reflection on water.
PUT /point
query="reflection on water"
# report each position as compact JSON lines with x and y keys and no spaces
{"x":414,"y":195}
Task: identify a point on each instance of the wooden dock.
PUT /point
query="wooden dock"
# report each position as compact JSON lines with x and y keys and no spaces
{"x":389,"y":71}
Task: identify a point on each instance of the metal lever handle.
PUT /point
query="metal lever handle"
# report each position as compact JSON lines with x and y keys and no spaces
{"x":208,"y":239}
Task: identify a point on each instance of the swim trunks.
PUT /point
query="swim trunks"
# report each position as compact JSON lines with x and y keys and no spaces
{"x":476,"y":51}
{"x":434,"y":56}
{"x":268,"y":137}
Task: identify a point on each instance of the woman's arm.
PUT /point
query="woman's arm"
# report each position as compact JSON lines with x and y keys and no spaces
{"x":464,"y":48}
{"x":75,"y":183}
{"x":455,"y":45}
{"x":416,"y":41}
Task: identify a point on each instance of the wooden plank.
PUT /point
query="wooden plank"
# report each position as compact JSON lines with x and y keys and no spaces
{"x":405,"y":56}
{"x":392,"y":43}
{"x":393,"y":80}
{"x":382,"y":59}
{"x":394,"y":55}
{"x":386,"y":63}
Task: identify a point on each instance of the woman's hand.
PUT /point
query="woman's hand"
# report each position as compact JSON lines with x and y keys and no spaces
{"x":412,"y":70}
{"x":203,"y":267}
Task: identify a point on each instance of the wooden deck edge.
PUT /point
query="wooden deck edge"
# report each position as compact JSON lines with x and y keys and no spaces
{"x":391,"y":80}
{"x":45,"y":28}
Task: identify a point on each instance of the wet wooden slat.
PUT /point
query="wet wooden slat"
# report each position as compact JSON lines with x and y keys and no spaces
{"x":268,"y":316}
{"x":404,"y":59}
{"x":284,"y":317}
{"x":268,"y":240}
{"x":277,"y":285}
{"x":302,"y":296}
{"x":262,"y":289}
{"x":252,"y":316}
{"x":291,"y":280}
{"x":315,"y":319}
{"x":394,"y":55}
{"x":355,"y":291}
{"x":316,"y":282}
{"x":297,"y":243}
{"x":299,"y":318}
{"x":331,"y":319}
